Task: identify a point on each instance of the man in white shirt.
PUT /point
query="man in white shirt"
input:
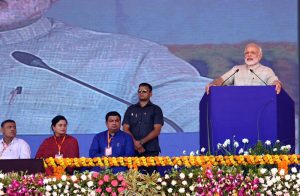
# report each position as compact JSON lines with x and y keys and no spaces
{"x":252,"y":73}
{"x":10,"y":146}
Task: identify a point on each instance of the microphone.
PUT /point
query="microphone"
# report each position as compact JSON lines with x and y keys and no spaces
{"x":258,"y":77}
{"x":237,"y":70}
{"x":34,"y":61}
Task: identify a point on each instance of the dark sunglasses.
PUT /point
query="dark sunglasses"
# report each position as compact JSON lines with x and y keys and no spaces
{"x":142,"y":91}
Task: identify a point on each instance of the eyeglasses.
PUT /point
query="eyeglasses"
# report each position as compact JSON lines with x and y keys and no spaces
{"x":142,"y":91}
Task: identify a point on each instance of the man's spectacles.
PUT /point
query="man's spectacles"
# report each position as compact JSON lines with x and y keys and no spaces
{"x":142,"y":91}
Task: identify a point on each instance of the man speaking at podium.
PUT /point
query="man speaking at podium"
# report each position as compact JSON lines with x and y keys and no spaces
{"x":252,"y":73}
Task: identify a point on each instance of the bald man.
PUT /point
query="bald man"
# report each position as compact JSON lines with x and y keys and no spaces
{"x":112,"y":63}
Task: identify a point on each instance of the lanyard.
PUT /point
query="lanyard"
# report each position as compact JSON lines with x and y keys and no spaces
{"x":108,"y":139}
{"x":5,"y":146}
{"x":59,"y":145}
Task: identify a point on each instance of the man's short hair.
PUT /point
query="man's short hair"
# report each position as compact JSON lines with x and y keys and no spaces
{"x":7,"y":121}
{"x":112,"y":113}
{"x":146,"y":84}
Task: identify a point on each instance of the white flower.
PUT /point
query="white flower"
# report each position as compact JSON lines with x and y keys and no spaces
{"x":226,"y":143}
{"x":170,"y":190}
{"x":268,"y":142}
{"x":181,"y":190}
{"x":73,"y":178}
{"x":263,"y":170}
{"x":158,"y":187}
{"x":270,"y":183}
{"x":1,"y":185}
{"x":241,"y":151}
{"x":173,"y":182}
{"x":54,"y":187}
{"x":281,"y":172}
{"x":175,"y":166}
{"x":202,"y":149}
{"x":45,"y":181}
{"x":279,"y":187}
{"x":92,"y":193}
{"x":54,"y":179}
{"x":245,"y":141}
{"x":269,"y":192}
{"x":287,"y":185}
{"x":246,"y":153}
{"x":197,"y":152}
{"x":167,"y":176}
{"x":298,"y":175}
{"x":159,"y":180}
{"x":219,"y":146}
{"x":76,"y":185}
{"x":191,"y":175}
{"x":184,"y":182}
{"x":192,"y":188}
{"x":83,"y":177}
{"x":236,"y":144}
{"x":48,"y":188}
{"x":192,"y":153}
{"x":63,"y":177}
{"x":293,"y":176}
{"x":294,"y":169}
{"x":54,"y":194}
{"x":274,"y":171}
{"x":90,"y":183}
{"x":261,"y":180}
{"x":184,"y":152}
{"x":274,"y":149}
{"x":287,"y":177}
{"x":2,"y":176}
{"x":182,"y":175}
{"x":59,"y":185}
{"x":164,"y":183}
{"x":288,"y":147}
{"x":83,"y":190}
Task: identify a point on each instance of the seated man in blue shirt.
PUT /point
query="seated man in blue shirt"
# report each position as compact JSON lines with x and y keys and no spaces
{"x":112,"y":142}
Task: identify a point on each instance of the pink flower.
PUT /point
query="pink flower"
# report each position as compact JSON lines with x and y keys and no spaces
{"x":108,"y":189}
{"x":124,"y":184}
{"x":100,"y":182}
{"x":106,"y":178}
{"x":113,"y":194}
{"x":98,"y":190}
{"x":114,"y":183}
{"x":95,"y":175}
{"x":120,"y":177}
{"x":120,"y":189}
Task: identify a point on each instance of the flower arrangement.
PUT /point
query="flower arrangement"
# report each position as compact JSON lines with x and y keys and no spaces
{"x":207,"y":180}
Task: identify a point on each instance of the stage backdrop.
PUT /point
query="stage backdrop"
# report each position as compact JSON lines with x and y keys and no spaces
{"x":100,"y":50}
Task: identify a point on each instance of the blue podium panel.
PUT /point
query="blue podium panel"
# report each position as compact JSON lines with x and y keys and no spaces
{"x":252,"y":112}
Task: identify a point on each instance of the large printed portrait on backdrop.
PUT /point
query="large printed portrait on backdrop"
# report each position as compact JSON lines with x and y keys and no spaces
{"x":82,"y":58}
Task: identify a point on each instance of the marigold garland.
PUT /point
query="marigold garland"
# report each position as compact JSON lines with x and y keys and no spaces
{"x":188,"y":161}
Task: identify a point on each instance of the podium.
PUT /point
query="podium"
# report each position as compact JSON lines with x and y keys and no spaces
{"x":252,"y":112}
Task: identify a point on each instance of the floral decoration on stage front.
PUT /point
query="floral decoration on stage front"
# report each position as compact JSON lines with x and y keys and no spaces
{"x":208,"y":180}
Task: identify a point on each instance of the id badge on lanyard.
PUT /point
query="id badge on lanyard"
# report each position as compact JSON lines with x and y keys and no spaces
{"x":59,"y":154}
{"x":108,"y":149}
